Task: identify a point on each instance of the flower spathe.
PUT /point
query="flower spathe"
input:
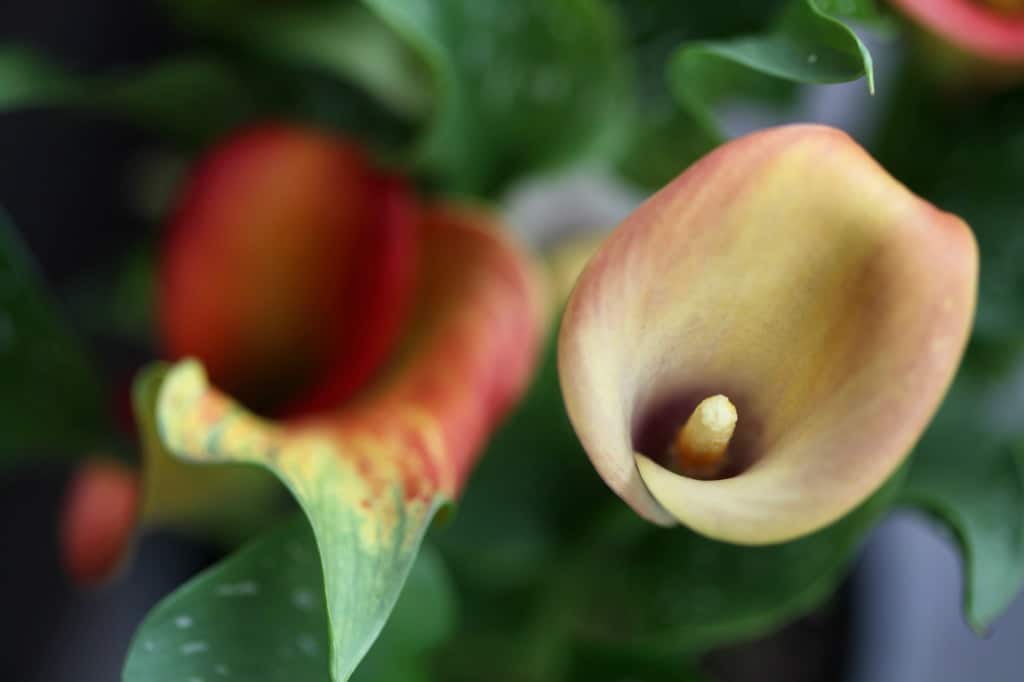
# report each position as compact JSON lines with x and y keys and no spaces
{"x":288,"y":267}
{"x":403,"y":333}
{"x":991,"y":31}
{"x":370,"y":475}
{"x":789,"y":272}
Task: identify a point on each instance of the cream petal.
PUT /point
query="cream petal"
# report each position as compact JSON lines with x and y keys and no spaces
{"x":788,"y":271}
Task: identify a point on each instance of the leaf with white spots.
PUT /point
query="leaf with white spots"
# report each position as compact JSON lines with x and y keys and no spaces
{"x":270,"y":624}
{"x":53,"y":400}
{"x":370,"y":476}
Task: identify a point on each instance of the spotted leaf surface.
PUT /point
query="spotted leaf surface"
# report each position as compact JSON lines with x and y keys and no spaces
{"x":371,"y":476}
{"x":261,"y":615}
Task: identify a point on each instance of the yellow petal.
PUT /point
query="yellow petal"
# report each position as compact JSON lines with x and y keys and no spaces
{"x":789,"y":272}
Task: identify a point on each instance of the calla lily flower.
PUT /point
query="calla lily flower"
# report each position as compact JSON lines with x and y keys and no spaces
{"x":386,"y":337}
{"x":759,"y":346}
{"x":288,"y":268}
{"x":985,"y":31}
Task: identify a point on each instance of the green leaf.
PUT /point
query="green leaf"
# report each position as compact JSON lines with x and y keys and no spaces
{"x":192,"y":98}
{"x":357,"y":489}
{"x":810,"y":44}
{"x":260,"y":615}
{"x":424,"y":617}
{"x":517,"y":86}
{"x":53,"y":399}
{"x":531,"y":464}
{"x":664,"y":138}
{"x":510,"y":632}
{"x":667,"y":591}
{"x":971,"y":478}
{"x":342,"y":39}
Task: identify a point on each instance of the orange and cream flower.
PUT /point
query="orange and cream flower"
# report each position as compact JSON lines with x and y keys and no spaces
{"x":755,"y":349}
{"x":388,"y":337}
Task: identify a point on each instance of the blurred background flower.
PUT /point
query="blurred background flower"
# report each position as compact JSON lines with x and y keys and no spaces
{"x":969,"y":40}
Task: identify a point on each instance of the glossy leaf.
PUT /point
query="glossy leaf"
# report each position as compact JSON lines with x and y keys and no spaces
{"x":665,"y":138}
{"x":260,"y":615}
{"x":53,"y":399}
{"x":193,"y":98}
{"x":516,"y":86}
{"x":370,"y":476}
{"x":972,"y":479}
{"x":810,"y":44}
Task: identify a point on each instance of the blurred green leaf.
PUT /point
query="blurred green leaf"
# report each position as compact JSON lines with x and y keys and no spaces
{"x":193,"y":98}
{"x":656,"y":592}
{"x":664,"y":139}
{"x":342,"y":39}
{"x":520,"y":485}
{"x":516,"y":86}
{"x":260,"y":615}
{"x":971,"y":477}
{"x":980,"y":180}
{"x":52,"y":398}
{"x":596,"y":665}
{"x":810,"y":44}
{"x":512,"y":528}
{"x":117,"y":302}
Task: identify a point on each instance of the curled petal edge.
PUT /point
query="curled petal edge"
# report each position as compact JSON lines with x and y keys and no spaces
{"x":789,"y":272}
